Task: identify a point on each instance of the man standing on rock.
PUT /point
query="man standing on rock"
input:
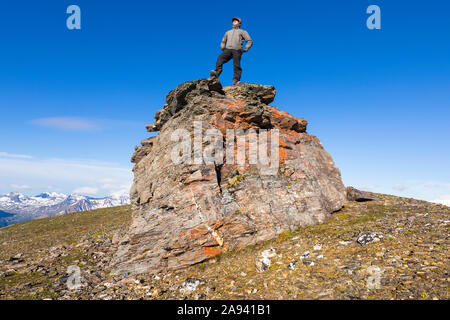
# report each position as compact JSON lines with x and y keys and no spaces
{"x":231,"y":46}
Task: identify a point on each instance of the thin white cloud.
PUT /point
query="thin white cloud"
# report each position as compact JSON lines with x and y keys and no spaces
{"x":86,"y":190}
{"x":399,"y":187}
{"x":82,"y":124}
{"x":445,"y":200}
{"x":111,"y":186}
{"x":122,"y":192}
{"x":12,"y":155}
{"x":117,"y":190}
{"x":21,"y":186}
{"x":66,"y":175}
{"x":67,"y":123}
{"x":365,"y":187}
{"x":436,"y":185}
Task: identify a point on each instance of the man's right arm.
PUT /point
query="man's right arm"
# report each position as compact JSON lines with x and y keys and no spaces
{"x":224,"y":41}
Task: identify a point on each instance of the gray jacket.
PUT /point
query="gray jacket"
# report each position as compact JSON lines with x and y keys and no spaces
{"x":234,"y":38}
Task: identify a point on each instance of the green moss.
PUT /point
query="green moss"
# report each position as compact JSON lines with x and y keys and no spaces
{"x":364,"y":218}
{"x":274,"y":266}
{"x":341,"y":216}
{"x":235,"y":181}
{"x":251,"y":247}
{"x":287,"y":235}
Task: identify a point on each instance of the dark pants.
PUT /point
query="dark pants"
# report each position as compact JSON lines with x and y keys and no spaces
{"x":224,"y":57}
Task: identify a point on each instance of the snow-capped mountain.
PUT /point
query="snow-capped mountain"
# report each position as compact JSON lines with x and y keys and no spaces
{"x":16,"y":207}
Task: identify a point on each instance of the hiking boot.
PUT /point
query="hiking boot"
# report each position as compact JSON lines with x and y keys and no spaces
{"x":213,"y":74}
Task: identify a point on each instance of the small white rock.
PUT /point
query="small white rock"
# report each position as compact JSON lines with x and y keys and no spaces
{"x":304,"y":255}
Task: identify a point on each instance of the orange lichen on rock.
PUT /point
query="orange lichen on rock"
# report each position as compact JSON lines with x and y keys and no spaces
{"x":211,"y":251}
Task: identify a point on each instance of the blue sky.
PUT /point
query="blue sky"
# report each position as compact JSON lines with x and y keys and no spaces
{"x":74,"y":102}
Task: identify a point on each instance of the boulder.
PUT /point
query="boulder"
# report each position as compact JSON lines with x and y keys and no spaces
{"x":360,"y":196}
{"x":192,"y":208}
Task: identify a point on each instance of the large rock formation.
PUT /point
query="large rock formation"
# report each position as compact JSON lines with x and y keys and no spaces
{"x":184,"y":213}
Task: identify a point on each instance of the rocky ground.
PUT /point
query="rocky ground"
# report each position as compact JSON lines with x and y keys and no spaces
{"x":392,"y":248}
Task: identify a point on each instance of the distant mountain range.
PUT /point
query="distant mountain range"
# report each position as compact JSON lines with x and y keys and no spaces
{"x":16,"y":207}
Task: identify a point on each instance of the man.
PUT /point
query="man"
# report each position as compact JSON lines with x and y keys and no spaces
{"x":231,"y":46}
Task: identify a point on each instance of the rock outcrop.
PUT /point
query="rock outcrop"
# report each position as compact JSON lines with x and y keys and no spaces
{"x":191,"y":202}
{"x":359,"y":195}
